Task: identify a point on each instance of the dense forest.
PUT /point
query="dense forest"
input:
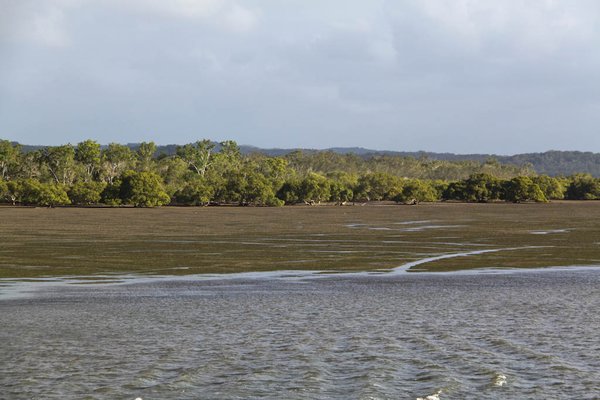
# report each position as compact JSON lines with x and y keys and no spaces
{"x":207,"y":173}
{"x":552,"y":163}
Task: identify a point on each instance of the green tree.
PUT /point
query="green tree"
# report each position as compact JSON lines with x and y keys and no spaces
{"x":275,"y":169}
{"x":86,"y":193}
{"x":522,"y":188}
{"x":197,"y":191}
{"x":44,"y":194}
{"x":481,"y":188}
{"x":248,"y":187}
{"x":235,"y":185}
{"x":455,"y":191}
{"x":29,"y":165}
{"x":116,"y":158}
{"x":217,"y":184}
{"x":340,"y":192}
{"x":197,"y":155}
{"x":583,"y":187}
{"x":440,"y":187}
{"x":416,"y":191}
{"x":314,"y":189}
{"x":3,"y":191}
{"x":60,"y":162}
{"x":87,"y":153}
{"x":377,"y":186}
{"x":111,"y":195}
{"x":553,"y":188}
{"x":9,"y":160}
{"x":143,"y":189}
{"x":13,"y":191}
{"x":228,"y":158}
{"x":289,"y":192}
{"x":175,"y":173}
{"x":341,"y":186}
{"x":259,"y":191}
{"x":145,"y":156}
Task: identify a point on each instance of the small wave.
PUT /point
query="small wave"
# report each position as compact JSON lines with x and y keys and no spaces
{"x":434,"y":396}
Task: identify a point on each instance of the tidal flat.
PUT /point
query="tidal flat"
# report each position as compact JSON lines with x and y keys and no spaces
{"x":120,"y":303}
{"x":88,"y":242}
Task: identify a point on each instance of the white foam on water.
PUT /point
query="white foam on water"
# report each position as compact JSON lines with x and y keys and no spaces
{"x":499,"y":380}
{"x":434,"y":396}
{"x":547,"y":232}
{"x":466,"y":244}
{"x":425,"y":221}
{"x":424,"y":227}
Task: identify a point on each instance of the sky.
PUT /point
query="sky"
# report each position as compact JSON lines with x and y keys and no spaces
{"x":463,"y":76}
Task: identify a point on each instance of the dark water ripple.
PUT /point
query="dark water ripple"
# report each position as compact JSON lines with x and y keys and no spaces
{"x":517,"y":336}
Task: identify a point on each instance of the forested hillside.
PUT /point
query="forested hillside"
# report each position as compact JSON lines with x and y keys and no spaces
{"x":552,"y":163}
{"x":204,"y":173}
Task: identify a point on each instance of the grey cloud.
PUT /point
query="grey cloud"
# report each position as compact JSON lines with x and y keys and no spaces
{"x":460,"y":76}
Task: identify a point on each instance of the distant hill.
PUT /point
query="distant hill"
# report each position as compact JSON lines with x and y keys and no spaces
{"x":556,"y":163}
{"x":553,"y":163}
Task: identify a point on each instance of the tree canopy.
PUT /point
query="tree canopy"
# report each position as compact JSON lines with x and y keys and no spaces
{"x":204,"y":173}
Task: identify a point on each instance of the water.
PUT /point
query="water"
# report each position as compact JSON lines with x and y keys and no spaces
{"x":519,"y":335}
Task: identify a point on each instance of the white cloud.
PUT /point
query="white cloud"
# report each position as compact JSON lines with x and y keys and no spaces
{"x":48,"y":28}
{"x":36,"y":22}
{"x":528,"y":27}
{"x":384,"y":51}
{"x":193,"y":9}
{"x":222,"y":14}
{"x":240,"y":19}
{"x":428,"y":69}
{"x":45,"y":21}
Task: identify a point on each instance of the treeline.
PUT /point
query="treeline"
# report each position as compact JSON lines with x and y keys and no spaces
{"x":203,"y":173}
{"x":552,"y":163}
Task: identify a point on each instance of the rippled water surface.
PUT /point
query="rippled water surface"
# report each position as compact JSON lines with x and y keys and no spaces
{"x":531,"y":335}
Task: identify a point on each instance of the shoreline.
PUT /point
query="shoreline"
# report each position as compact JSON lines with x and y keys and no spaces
{"x":383,"y":203}
{"x":27,"y":288}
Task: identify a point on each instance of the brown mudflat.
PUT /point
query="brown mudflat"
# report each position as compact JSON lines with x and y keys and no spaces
{"x":38,"y":242}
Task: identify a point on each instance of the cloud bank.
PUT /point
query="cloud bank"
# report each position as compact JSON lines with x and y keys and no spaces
{"x":461,"y":75}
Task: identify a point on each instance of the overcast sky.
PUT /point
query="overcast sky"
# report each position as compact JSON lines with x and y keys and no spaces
{"x":464,"y":76}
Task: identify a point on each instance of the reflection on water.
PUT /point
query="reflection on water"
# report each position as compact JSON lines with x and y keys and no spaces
{"x":449,"y":336}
